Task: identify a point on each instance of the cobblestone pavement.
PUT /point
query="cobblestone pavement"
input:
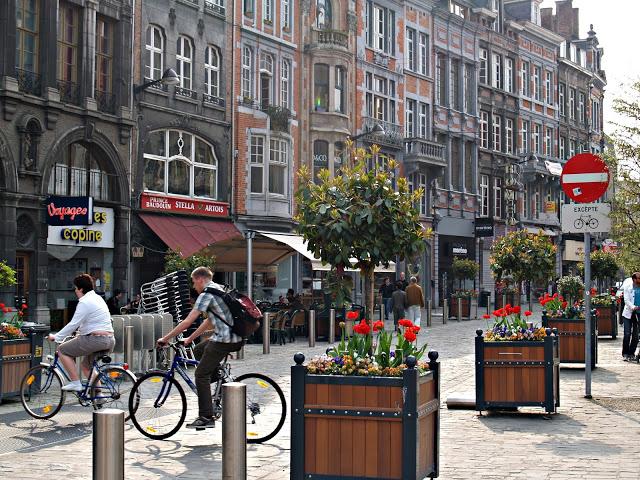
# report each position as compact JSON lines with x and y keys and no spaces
{"x":594,"y":439}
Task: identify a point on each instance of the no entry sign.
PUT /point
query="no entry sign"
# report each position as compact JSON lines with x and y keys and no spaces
{"x":585,"y":178}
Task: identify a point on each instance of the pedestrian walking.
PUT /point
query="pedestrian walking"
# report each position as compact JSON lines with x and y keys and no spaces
{"x":631,"y":298}
{"x":386,"y":291}
{"x":398,"y":303}
{"x":415,"y":301}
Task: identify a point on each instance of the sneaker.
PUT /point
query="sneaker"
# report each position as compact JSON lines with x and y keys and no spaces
{"x":74,"y":386}
{"x":202,"y":422}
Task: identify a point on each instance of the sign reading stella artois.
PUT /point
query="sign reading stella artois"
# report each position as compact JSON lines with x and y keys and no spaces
{"x":163,"y":203}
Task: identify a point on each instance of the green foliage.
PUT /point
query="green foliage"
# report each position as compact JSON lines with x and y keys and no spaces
{"x":339,"y":287}
{"x":523,"y":256}
{"x":174,"y":261}
{"x":624,"y":161}
{"x":464,"y":269}
{"x":7,"y":275}
{"x":570,"y":287}
{"x":604,"y":265}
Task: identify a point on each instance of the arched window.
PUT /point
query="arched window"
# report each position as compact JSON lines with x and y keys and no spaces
{"x":179,"y":163}
{"x":212,"y":71}
{"x":247,"y":72}
{"x":184,"y":60}
{"x":154,"y":53}
{"x":323,"y":14}
{"x":78,"y":173}
{"x":266,"y":80}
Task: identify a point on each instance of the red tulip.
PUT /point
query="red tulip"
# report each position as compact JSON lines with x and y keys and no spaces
{"x":352,"y":315}
{"x":515,"y":309}
{"x":528,"y":313}
{"x":404,"y":322}
{"x":486,"y":317}
{"x":24,"y":306}
{"x":377,"y":326}
{"x":410,"y":336}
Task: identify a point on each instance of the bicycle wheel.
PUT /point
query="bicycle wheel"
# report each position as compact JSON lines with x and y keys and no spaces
{"x":41,"y":392}
{"x":111,"y":389}
{"x":157,"y":405}
{"x":266,"y":407}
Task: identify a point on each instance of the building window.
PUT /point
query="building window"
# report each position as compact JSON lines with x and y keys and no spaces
{"x":423,"y":120}
{"x":484,"y":58}
{"x":561,"y":148}
{"x":278,"y":166}
{"x":154,"y":53}
{"x":339,"y":90}
{"x":582,"y":113}
{"x":321,"y":87}
{"x":27,"y":35}
{"x":68,"y":41}
{"x":525,"y":87}
{"x":497,"y":197}
{"x":561,"y":99}
{"x":440,"y":80}
{"x":78,"y":173}
{"x":339,"y":154}
{"x":572,"y":103}
{"x":508,"y":135}
{"x":496,"y":79}
{"x":548,"y":85}
{"x":455,"y":165}
{"x":247,"y":73}
{"x":595,"y":115}
{"x":256,"y":161}
{"x":320,"y":157}
{"x":380,"y":98}
{"x":179,"y":163}
{"x":457,"y":9}
{"x":418,"y":181}
{"x":454,"y":85}
{"x":497,"y":133}
{"x":410,"y":53}
{"x":525,"y":146}
{"x":104,"y":55}
{"x":537,"y":92}
{"x":423,"y":58}
{"x":184,"y":60}
{"x":285,"y":84}
{"x":248,"y":8}
{"x":323,"y":14}
{"x":409,"y":118}
{"x":548,"y":142}
{"x":484,"y":195}
{"x":469,"y":88}
{"x":267,"y":12}
{"x":525,"y":201}
{"x":212,"y":71}
{"x":266,"y":80}
{"x":572,"y":148}
{"x":537,"y":138}
{"x":508,"y":75}
{"x":286,"y":15}
{"x":484,"y":129}
{"x":380,"y":28}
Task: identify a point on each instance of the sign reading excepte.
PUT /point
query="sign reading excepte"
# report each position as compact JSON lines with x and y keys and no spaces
{"x":586,"y":218}
{"x":61,"y":211}
{"x":585,"y":178}
{"x":161,"y":203}
{"x":99,"y":234}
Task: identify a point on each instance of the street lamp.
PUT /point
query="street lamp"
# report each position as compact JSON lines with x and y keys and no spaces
{"x":377,"y":131}
{"x":169,"y":77}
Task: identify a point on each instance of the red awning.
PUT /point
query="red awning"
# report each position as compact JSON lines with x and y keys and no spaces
{"x":190,"y":234}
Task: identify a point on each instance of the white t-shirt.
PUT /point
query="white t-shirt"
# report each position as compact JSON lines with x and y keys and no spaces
{"x":92,"y":315}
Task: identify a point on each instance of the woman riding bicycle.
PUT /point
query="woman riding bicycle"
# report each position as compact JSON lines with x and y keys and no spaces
{"x":222,"y":342}
{"x":92,"y":321}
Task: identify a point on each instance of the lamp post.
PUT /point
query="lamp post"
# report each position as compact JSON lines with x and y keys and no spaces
{"x":377,"y":130}
{"x":169,"y":77}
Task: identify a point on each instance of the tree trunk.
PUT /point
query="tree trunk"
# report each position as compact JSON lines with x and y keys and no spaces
{"x":368,"y":274}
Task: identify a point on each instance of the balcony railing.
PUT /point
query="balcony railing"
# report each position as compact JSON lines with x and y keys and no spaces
{"x":392,"y":132}
{"x":69,"y":92}
{"x":106,"y":102}
{"x":425,"y":149}
{"x":215,"y":7}
{"x":279,"y":117}
{"x":212,"y":100}
{"x":156,"y":86}
{"x":29,"y":82}
{"x":331,"y":38}
{"x":186,"y":93}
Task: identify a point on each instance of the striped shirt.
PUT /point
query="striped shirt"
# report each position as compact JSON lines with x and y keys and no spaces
{"x":215,"y":308}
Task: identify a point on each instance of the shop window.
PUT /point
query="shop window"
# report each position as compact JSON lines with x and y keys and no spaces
{"x":321,"y":87}
{"x":320,"y":157}
{"x":180,"y":163}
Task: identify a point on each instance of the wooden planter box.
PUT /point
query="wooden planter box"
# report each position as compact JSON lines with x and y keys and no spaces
{"x":15,"y":361}
{"x":510,"y":297}
{"x":465,"y":310}
{"x":607,"y":321}
{"x":517,"y":374}
{"x":365,"y":427}
{"x":572,"y":334}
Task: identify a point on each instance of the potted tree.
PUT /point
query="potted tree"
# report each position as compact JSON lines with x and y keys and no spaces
{"x":604,"y":268}
{"x":505,"y":293}
{"x":463,"y":269}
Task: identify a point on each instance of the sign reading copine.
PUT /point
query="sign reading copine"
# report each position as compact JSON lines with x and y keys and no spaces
{"x":585,"y":178}
{"x":586,"y":218}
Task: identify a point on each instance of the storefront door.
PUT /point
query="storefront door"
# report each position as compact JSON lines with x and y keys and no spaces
{"x":22,"y":276}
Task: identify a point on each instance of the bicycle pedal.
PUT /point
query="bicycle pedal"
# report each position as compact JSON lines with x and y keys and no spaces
{"x":200,"y":429}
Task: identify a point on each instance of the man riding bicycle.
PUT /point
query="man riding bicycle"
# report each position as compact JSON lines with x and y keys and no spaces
{"x":92,"y":321}
{"x":220,"y":344}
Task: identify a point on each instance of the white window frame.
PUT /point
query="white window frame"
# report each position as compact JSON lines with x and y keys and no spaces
{"x":285,"y":83}
{"x":537,"y":83}
{"x":508,"y":135}
{"x":497,"y":197}
{"x":484,"y":129}
{"x":423,"y":120}
{"x":212,"y":71}
{"x":410,"y":118}
{"x":525,"y":141}
{"x":152,"y":50}
{"x":410,"y":50}
{"x":496,"y":70}
{"x":582,"y":109}
{"x":423,"y":53}
{"x":549,"y":87}
{"x":267,"y":11}
{"x":508,"y":74}
{"x":257,"y":161}
{"x":279,"y":158}
{"x":286,"y":15}
{"x":184,"y":63}
{"x":484,"y":65}
{"x":548,"y":141}
{"x":536,"y":136}
{"x":562,"y":99}
{"x":246,"y":80}
{"x":496,"y":127}
{"x":525,"y":86}
{"x":484,"y":195}
{"x":562,"y":148}
{"x":572,"y":103}
{"x":379,"y":21}
{"x":572,"y":147}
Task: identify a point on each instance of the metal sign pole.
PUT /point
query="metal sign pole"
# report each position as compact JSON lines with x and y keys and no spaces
{"x":587,"y":314}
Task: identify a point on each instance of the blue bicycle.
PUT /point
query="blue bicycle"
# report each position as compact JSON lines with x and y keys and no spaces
{"x":158,"y":404}
{"x":108,"y":385}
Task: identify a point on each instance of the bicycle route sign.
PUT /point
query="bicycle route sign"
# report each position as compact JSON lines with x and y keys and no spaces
{"x":585,"y":218}
{"x":585,"y":178}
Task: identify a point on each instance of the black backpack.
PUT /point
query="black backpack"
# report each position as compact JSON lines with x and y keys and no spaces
{"x":246,"y":316}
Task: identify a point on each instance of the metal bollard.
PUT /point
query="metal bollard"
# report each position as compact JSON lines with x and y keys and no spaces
{"x":429,"y":312}
{"x":266,"y":333}
{"x":240,"y":353}
{"x":234,"y":431}
{"x":459,"y":309}
{"x":312,"y":328}
{"x":128,"y":345}
{"x":504,"y":300}
{"x":445,"y":311}
{"x":476,"y":308}
{"x":108,"y":444}
{"x":332,"y":325}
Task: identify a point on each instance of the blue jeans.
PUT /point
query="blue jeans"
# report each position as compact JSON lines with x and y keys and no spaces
{"x":387,"y":307}
{"x":630,"y":338}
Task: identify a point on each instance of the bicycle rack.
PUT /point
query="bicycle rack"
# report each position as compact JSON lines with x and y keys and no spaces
{"x":148,"y":339}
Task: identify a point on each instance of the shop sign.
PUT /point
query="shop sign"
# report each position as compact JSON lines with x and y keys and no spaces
{"x":99,"y":234}
{"x":484,"y":227}
{"x":69,"y":210}
{"x":137,"y":252}
{"x":550,"y":207}
{"x":573,"y":251}
{"x":459,"y":250}
{"x":161,"y":203}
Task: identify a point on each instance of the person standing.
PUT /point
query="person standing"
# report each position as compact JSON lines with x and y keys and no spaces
{"x":398,"y":303}
{"x":415,"y":301}
{"x":386,"y":291}
{"x":403,"y":281}
{"x":631,"y":299}
{"x":114,"y":302}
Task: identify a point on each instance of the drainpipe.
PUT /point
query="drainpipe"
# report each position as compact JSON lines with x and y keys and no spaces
{"x":234,"y":130}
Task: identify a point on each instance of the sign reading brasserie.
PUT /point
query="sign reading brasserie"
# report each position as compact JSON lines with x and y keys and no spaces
{"x":69,"y":210}
{"x":99,"y":234}
{"x":160,"y":203}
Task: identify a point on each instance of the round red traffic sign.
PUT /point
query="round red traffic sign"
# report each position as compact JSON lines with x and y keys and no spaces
{"x":585,"y":178}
